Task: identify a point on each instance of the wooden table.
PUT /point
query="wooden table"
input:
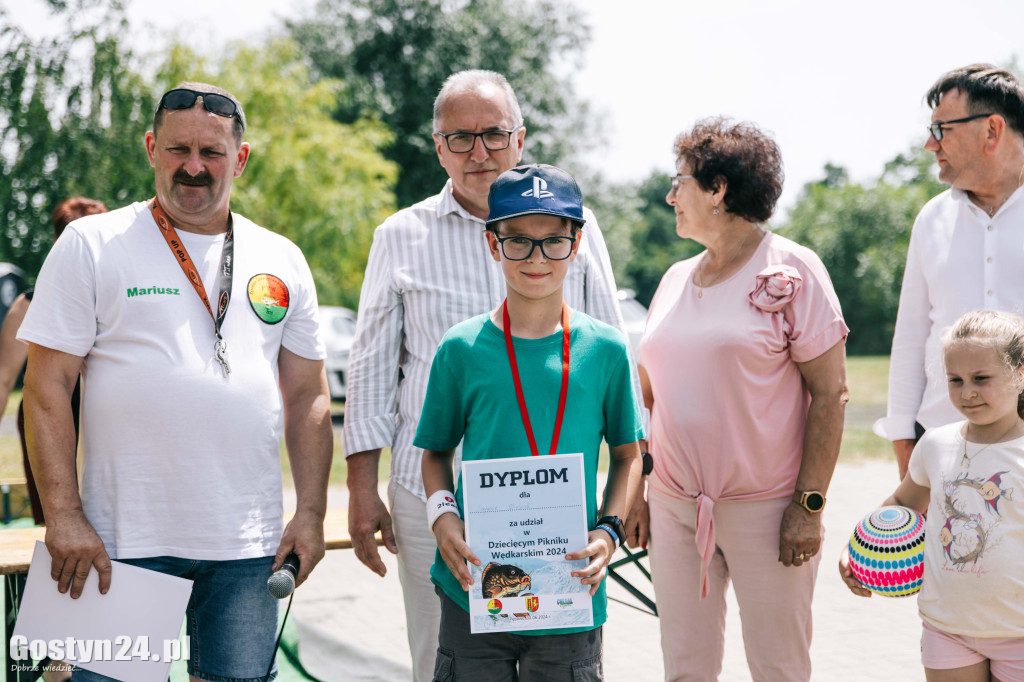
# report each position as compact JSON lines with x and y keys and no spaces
{"x":17,"y":545}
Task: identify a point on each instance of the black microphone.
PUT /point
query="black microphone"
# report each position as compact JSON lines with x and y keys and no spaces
{"x":282,"y":583}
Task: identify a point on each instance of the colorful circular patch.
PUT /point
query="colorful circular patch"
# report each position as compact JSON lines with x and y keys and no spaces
{"x":887,"y":551}
{"x":494,"y":606}
{"x":268,"y":297}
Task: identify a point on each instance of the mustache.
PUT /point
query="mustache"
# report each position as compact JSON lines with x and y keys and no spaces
{"x":182,"y":177}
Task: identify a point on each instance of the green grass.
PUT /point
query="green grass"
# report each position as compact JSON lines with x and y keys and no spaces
{"x":866,"y":376}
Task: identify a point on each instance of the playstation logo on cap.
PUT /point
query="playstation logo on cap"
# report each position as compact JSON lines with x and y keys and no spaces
{"x":532,"y":190}
{"x":539,"y":189}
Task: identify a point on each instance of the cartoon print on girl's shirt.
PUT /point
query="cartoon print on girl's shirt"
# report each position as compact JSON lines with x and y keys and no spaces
{"x":971,"y":505}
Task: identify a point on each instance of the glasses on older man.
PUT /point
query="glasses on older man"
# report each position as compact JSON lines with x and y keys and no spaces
{"x":182,"y":98}
{"x":521,"y":248}
{"x":494,"y":140}
{"x":935,"y":129}
{"x":676,"y":178}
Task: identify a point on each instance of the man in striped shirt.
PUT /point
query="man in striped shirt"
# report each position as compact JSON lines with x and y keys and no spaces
{"x":429,"y":268}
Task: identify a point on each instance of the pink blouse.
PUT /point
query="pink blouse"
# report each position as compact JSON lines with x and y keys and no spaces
{"x":730,"y":404}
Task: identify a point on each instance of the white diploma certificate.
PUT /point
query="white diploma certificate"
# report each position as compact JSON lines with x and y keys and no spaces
{"x":129,"y":633}
{"x":523,"y":515}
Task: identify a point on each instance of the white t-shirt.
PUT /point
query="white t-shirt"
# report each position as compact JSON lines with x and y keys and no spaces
{"x":179,"y":459}
{"x":974,"y":536}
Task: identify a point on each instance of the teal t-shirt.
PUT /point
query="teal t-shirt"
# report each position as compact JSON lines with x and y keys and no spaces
{"x":471,"y":398}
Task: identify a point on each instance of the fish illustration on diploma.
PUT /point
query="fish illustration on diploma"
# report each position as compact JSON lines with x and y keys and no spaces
{"x":501,"y":580}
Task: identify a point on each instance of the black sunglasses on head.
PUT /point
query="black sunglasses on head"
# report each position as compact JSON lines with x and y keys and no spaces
{"x":182,"y":98}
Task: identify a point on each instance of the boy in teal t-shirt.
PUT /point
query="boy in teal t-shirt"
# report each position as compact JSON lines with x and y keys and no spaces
{"x":536,"y":214}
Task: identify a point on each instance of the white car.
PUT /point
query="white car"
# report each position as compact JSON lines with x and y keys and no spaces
{"x":338,"y":326}
{"x":634,"y":315}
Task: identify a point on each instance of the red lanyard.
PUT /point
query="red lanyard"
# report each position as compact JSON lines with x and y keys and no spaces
{"x":189,"y":268}
{"x":519,"y":385}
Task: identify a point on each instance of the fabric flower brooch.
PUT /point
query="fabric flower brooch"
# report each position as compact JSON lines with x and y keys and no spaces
{"x":775,"y":286}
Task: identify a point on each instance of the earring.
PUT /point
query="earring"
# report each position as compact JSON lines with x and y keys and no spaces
{"x":716,"y":211}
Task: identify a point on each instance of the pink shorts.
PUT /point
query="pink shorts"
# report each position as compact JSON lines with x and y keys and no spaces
{"x":944,"y":651}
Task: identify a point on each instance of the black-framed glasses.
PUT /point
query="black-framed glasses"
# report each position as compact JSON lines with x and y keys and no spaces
{"x":935,"y":129}
{"x":494,"y":140}
{"x":182,"y":98}
{"x":521,"y":248}
{"x":676,"y":178}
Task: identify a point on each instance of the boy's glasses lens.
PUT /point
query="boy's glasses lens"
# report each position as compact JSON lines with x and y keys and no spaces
{"x":521,"y":248}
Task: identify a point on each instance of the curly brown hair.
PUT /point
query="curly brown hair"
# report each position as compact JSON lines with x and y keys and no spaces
{"x":742,"y":156}
{"x":74,"y":208}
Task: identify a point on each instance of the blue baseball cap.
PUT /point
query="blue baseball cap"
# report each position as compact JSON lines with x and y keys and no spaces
{"x":537,"y":189}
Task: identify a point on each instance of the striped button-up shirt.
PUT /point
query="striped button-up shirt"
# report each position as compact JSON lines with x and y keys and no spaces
{"x":429,"y":269}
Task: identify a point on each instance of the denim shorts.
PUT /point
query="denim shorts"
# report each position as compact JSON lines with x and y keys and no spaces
{"x":231,"y":619}
{"x":511,"y":657}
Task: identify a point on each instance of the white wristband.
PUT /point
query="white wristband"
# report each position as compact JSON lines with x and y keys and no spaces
{"x":441,"y":502}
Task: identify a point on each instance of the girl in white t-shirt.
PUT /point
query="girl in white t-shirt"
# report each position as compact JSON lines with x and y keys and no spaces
{"x":965,"y":474}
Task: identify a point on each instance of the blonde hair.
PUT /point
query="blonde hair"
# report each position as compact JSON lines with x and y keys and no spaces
{"x":1003,"y":332}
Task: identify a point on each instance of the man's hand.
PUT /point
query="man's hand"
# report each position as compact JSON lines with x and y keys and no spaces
{"x":600,"y":548}
{"x":638,"y":523}
{"x":799,"y":535}
{"x":74,"y":549}
{"x":450,"y":532}
{"x":903,"y":447}
{"x":366,"y":515}
{"x":303,"y":535}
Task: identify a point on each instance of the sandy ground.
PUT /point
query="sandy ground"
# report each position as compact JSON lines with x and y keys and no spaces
{"x":352,"y":624}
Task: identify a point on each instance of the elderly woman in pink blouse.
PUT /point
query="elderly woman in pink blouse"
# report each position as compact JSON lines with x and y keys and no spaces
{"x":743,"y":366}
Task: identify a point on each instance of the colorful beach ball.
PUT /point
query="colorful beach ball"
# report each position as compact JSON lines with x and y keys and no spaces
{"x":887,"y":551}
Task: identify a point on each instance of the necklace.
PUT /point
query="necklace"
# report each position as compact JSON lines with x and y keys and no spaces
{"x":1020,"y":179}
{"x":732,"y":257}
{"x":966,"y":461}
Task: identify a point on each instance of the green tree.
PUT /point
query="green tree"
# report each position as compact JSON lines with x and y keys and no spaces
{"x":617,"y":208}
{"x":393,"y":56}
{"x":323,"y":184}
{"x":73,"y":113}
{"x":656,"y":246}
{"x":861,"y":234}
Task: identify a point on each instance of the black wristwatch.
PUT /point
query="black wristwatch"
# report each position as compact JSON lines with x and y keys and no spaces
{"x":648,"y":463}
{"x":811,"y":500}
{"x":615,"y":523}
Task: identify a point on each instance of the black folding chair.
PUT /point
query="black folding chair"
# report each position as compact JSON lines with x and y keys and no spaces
{"x":613,"y":572}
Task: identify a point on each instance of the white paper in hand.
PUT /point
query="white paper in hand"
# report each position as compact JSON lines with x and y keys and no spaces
{"x":129,"y":633}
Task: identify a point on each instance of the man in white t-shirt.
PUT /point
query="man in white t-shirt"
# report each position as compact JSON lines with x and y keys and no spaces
{"x":965,"y":249}
{"x":197,"y":337}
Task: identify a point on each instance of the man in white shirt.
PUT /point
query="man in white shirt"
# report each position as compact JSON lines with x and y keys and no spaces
{"x":967,"y":245}
{"x":429,"y":268}
{"x":197,"y":337}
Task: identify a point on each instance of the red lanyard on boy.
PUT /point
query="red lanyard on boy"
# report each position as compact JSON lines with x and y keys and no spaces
{"x":519,"y":386}
{"x":189,"y":268}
